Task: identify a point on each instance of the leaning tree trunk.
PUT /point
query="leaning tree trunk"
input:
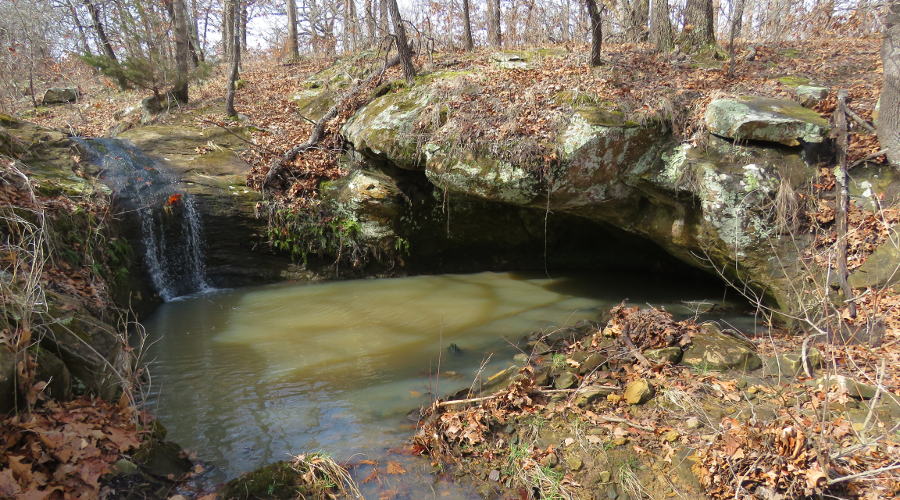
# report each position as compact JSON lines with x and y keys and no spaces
{"x":699,"y":31}
{"x":596,"y":32}
{"x":293,"y":50}
{"x":104,"y":40}
{"x":889,"y":111}
{"x":495,"y":36}
{"x":468,"y":43}
{"x":182,"y":51}
{"x":234,"y":7}
{"x":409,"y":71}
{"x":661,"y":26}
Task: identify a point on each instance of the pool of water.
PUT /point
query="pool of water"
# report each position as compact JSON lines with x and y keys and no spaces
{"x":249,"y":376}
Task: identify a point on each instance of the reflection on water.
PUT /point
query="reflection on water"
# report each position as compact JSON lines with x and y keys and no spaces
{"x":245,"y":377}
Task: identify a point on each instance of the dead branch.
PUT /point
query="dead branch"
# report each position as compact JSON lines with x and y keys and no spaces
{"x":318,"y":132}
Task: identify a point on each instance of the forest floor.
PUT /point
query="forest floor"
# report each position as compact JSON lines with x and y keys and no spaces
{"x":789,"y":434}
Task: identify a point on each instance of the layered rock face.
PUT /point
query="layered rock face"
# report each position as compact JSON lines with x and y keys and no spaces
{"x":712,"y":204}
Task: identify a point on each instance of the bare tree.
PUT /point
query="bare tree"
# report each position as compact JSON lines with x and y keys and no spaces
{"x":233,"y":6}
{"x":661,"y":26}
{"x":889,"y":112}
{"x":737,"y":14}
{"x":636,"y":13}
{"x":403,"y":50}
{"x":105,"y":46}
{"x":596,"y":32}
{"x":292,"y":46}
{"x":495,"y":37}
{"x":699,"y":31}
{"x":182,"y":51}
{"x":468,"y":44}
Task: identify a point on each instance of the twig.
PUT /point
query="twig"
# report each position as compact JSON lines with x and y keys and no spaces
{"x":870,"y":157}
{"x":864,"y":474}
{"x":804,"y":355}
{"x":864,"y":124}
{"x":619,"y":420}
{"x":248,"y":141}
{"x":634,"y":350}
{"x":464,"y":401}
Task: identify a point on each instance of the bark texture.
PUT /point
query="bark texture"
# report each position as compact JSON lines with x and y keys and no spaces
{"x":182,"y":51}
{"x":699,"y":30}
{"x":234,"y":7}
{"x":889,"y":111}
{"x":661,"y":26}
{"x":468,"y":43}
{"x":293,"y":49}
{"x":596,"y":32}
{"x":403,"y":50}
{"x":495,"y":37}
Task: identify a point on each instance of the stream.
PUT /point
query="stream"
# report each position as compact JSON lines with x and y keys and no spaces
{"x":245,"y":377}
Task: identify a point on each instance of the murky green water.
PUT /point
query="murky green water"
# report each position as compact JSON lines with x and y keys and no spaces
{"x":249,"y":376}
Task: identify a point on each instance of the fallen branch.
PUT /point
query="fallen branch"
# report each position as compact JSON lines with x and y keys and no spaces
{"x":620,"y":420}
{"x":863,"y":474}
{"x":634,"y":350}
{"x":318,"y":132}
{"x":248,"y":141}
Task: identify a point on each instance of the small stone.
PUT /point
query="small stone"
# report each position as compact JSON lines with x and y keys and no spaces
{"x":670,"y":436}
{"x":588,"y":394}
{"x":568,"y":442}
{"x":611,"y":492}
{"x":810,"y":95}
{"x":638,"y":391}
{"x":494,"y":475}
{"x":564,"y":380}
{"x":620,"y":441}
{"x":605,"y":476}
{"x":520,"y":358}
{"x":578,"y":356}
{"x":550,"y":460}
{"x":614,"y":398}
{"x":574,"y":462}
{"x":692,"y":423}
{"x":125,"y":467}
{"x":664,"y":355}
{"x":740,"y":383}
{"x":853,"y":388}
{"x":592,"y":362}
{"x":541,"y":348}
{"x":714,"y":350}
{"x":753,"y":389}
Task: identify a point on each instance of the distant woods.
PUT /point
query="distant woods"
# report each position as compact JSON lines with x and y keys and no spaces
{"x":162,"y":45}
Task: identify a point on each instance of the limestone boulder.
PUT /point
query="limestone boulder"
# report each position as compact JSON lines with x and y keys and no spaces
{"x":713,"y":349}
{"x":59,"y":95}
{"x":767,"y":120}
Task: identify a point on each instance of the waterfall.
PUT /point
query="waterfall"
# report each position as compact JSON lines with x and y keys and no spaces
{"x":171,"y":231}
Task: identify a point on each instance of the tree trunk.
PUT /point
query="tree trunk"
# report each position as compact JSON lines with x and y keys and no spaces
{"x":468,"y":43}
{"x":596,"y":32}
{"x":409,"y":71}
{"x":234,"y":7}
{"x":698,"y":24}
{"x":182,"y":51}
{"x":227,"y":30}
{"x":661,"y":26}
{"x":495,"y":37}
{"x":889,"y":110}
{"x":351,"y":24}
{"x":244,"y":17}
{"x":104,"y":41}
{"x":371,"y":26}
{"x":636,"y":12}
{"x":85,"y":47}
{"x":293,"y":50}
{"x":383,"y":17}
{"x":737,"y":13}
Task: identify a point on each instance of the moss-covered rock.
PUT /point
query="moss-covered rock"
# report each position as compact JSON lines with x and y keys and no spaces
{"x":882,"y":267}
{"x":762,"y":119}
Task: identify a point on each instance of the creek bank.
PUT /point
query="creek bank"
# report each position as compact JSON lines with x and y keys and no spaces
{"x":622,"y":427}
{"x":711,"y":202}
{"x":65,"y":321}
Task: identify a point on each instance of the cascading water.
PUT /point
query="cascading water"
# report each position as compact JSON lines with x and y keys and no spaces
{"x":171,"y":231}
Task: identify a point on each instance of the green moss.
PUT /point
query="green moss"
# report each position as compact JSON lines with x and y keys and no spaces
{"x":275,"y":481}
{"x":790,"y":53}
{"x":792,"y":81}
